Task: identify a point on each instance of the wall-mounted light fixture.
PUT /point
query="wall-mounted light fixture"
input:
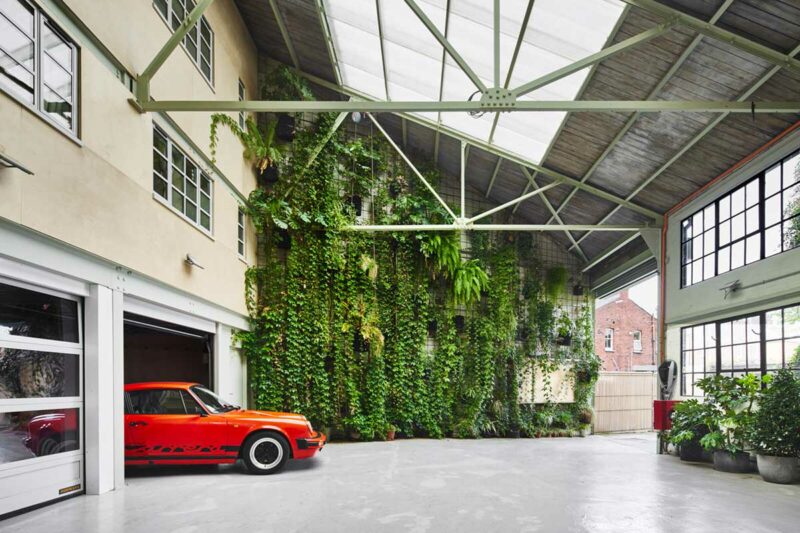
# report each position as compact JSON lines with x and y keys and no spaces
{"x":192,"y":262}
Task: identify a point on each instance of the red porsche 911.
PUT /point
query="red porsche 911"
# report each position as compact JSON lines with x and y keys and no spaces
{"x":170,"y":423}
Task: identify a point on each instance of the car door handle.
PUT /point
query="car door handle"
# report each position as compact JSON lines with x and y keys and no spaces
{"x":134,"y":424}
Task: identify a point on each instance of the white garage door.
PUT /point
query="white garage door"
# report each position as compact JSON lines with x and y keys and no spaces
{"x":41,"y":391}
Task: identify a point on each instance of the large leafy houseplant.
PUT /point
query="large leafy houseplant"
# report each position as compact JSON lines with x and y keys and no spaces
{"x":688,"y":427}
{"x":729,"y":418}
{"x":775,"y":432}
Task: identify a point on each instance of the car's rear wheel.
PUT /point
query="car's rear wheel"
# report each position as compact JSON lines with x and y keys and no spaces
{"x":265,"y":453}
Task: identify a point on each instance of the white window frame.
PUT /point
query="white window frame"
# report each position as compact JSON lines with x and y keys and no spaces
{"x":241,"y":232}
{"x":172,"y":146}
{"x":609,"y":340}
{"x":39,"y":19}
{"x":637,"y":341}
{"x":195,"y":33}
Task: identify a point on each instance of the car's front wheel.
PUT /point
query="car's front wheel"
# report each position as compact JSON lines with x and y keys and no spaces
{"x":265,"y":453}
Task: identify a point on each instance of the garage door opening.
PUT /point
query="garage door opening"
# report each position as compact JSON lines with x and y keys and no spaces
{"x":161,"y":351}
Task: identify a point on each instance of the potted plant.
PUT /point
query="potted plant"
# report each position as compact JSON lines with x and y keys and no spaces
{"x":564,"y":330}
{"x":776,"y":429}
{"x":729,"y":418}
{"x":390,"y":432}
{"x":284,"y":84}
{"x":259,"y":146}
{"x":585,"y":417}
{"x":688,"y":428}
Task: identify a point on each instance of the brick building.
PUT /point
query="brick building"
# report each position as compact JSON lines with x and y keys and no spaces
{"x":625,"y":335}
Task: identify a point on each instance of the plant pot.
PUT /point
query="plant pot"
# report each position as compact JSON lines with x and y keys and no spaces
{"x":513,"y":433}
{"x":355,"y":435}
{"x":774,"y":469}
{"x":693,"y":452}
{"x":390,"y":434}
{"x":577,"y":290}
{"x":564,"y":340}
{"x":583,"y":376}
{"x":269,"y":175}
{"x":585,"y":432}
{"x":285,"y":130}
{"x":355,"y":201}
{"x":284,"y":239}
{"x":735,"y":463}
{"x":460,"y":323}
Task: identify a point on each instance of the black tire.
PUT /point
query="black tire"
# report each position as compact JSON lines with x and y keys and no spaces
{"x":265,"y":452}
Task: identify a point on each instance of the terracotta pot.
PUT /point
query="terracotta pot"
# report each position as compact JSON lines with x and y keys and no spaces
{"x":390,"y":434}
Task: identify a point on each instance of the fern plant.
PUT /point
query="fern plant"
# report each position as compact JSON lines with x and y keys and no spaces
{"x":469,"y":281}
{"x":259,"y":147}
{"x":444,"y":251}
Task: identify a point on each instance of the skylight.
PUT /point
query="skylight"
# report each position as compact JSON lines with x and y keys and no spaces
{"x":559,"y":32}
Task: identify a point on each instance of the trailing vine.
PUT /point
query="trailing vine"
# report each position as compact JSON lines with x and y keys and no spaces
{"x":369,"y":333}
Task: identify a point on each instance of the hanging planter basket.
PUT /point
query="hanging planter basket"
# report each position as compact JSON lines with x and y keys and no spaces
{"x":577,"y":290}
{"x":356,"y":202}
{"x":460,"y":323}
{"x":268,"y":176}
{"x":285,"y":130}
{"x":284,"y":239}
{"x":564,"y":340}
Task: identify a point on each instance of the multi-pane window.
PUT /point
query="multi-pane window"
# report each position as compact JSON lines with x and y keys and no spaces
{"x":758,"y":219}
{"x":609,"y":340}
{"x":240,"y":232}
{"x":241,"y":99}
{"x":782,"y":206}
{"x":38,"y":64}
{"x":758,"y":343}
{"x":180,"y":182}
{"x":637,"y":341}
{"x":199,"y":42}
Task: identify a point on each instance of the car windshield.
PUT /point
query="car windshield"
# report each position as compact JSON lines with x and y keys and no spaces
{"x":213,"y":403}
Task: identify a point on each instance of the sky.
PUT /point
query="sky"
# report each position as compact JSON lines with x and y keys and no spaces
{"x":644,"y":293}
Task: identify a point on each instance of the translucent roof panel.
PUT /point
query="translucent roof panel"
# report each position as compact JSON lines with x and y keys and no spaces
{"x":559,"y":32}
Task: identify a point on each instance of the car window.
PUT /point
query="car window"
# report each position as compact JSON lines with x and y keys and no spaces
{"x":157,"y":402}
{"x":214,"y":403}
{"x":192,"y":407}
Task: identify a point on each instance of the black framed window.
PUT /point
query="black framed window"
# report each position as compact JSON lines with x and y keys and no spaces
{"x":757,"y":343}
{"x":758,"y":219}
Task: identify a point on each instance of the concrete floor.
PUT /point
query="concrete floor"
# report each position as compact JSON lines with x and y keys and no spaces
{"x":600,"y":483}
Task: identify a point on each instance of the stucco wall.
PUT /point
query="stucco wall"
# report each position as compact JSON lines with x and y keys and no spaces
{"x":96,"y":194}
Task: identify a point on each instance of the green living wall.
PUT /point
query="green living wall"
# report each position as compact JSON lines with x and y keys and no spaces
{"x":367,"y":333}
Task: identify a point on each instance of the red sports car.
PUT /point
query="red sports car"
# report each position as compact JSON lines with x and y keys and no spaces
{"x":184,"y":423}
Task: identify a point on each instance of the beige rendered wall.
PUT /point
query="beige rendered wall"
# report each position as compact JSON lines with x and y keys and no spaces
{"x":96,"y":194}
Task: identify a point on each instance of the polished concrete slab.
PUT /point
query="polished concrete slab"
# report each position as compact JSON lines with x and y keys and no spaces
{"x":597,"y":484}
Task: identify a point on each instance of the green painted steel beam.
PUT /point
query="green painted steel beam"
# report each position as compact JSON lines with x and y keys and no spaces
{"x":715,"y":32}
{"x":143,"y":81}
{"x":549,"y":206}
{"x":651,"y":95}
{"x":593,"y":106}
{"x":379,"y":16}
{"x":512,"y":202}
{"x":523,"y":28}
{"x":328,"y":136}
{"x":489,"y":227}
{"x":287,"y":40}
{"x":490,"y":148}
{"x":326,"y":34}
{"x":444,"y":42}
{"x":594,"y":58}
{"x":694,"y":140}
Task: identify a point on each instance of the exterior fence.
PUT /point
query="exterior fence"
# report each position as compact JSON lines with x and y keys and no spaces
{"x":624,"y":401}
